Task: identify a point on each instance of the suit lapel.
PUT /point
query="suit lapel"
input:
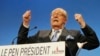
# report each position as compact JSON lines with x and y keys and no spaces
{"x":63,"y":35}
{"x":61,"y":38}
{"x":47,"y":36}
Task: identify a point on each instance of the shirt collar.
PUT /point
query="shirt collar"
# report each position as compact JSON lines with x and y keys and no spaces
{"x":60,"y":30}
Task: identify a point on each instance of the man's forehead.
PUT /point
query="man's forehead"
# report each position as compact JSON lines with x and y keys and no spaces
{"x":57,"y":11}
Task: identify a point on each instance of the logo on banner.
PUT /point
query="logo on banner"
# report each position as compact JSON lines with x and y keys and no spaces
{"x":57,"y":51}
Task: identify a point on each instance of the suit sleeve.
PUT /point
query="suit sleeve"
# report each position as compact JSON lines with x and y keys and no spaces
{"x":23,"y":36}
{"x":90,"y":37}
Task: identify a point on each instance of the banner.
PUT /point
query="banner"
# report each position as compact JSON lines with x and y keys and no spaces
{"x":36,"y":49}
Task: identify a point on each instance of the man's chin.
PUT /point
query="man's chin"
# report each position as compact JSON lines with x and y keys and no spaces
{"x":55,"y":25}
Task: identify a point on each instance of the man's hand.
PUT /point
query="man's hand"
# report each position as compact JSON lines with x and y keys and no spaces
{"x":26,"y":18}
{"x":80,"y":20}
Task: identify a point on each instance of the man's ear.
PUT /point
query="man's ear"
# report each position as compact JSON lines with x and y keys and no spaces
{"x":64,"y":22}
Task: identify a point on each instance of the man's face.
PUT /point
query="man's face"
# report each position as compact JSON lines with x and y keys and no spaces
{"x":58,"y":19}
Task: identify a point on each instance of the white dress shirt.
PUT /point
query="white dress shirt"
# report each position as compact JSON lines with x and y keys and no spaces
{"x":58,"y":34}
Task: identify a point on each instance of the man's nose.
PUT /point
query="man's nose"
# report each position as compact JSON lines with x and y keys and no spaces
{"x":55,"y":16}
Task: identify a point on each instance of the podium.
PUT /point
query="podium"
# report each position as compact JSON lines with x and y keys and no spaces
{"x":35,"y":49}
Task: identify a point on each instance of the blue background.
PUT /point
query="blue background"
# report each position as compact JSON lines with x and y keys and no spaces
{"x":11,"y":12}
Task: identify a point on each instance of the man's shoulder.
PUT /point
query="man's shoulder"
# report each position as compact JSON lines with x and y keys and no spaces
{"x":73,"y":32}
{"x":44,"y":33}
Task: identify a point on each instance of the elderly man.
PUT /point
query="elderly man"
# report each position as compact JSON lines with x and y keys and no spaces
{"x":71,"y":37}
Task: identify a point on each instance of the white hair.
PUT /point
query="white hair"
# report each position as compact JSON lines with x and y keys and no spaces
{"x":62,"y":10}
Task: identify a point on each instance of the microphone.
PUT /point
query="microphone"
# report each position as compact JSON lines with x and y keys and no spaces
{"x":35,"y":27}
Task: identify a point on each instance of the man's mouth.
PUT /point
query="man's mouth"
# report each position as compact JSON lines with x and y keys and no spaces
{"x":55,"y":20}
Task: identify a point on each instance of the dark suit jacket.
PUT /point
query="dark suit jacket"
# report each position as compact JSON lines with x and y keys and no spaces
{"x":71,"y":37}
